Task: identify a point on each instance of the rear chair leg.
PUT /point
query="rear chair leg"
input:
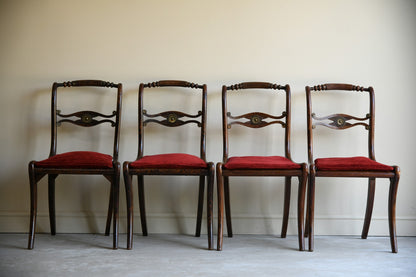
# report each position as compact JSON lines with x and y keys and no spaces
{"x":286,"y":206}
{"x":200,"y":206}
{"x":369,"y":209}
{"x":33,"y":205}
{"x":51,"y":198}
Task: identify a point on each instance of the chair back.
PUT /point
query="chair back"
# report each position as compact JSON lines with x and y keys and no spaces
{"x":339,"y":121}
{"x":255,"y":119}
{"x":85,"y":118}
{"x":173,"y":118}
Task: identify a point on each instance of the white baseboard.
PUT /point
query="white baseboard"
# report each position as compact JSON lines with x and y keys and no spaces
{"x":185,"y":224}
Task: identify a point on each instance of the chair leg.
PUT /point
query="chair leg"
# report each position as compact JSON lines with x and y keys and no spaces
{"x":129,"y":202}
{"x":394,"y":183}
{"x":369,"y":209}
{"x":307,"y":211}
{"x":311,"y":207}
{"x":33,"y":205}
{"x":228,"y":206}
{"x":109,"y":212}
{"x":220,"y":196}
{"x":140,"y":182}
{"x":200,"y":206}
{"x":116,"y":189}
{"x":51,"y":199}
{"x":286,"y":206}
{"x":301,"y":207}
{"x":210,"y":192}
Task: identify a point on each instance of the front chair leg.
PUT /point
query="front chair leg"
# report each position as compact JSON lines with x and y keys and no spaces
{"x":210,"y":192}
{"x":311,"y":207}
{"x":129,"y":202}
{"x":140,"y":184}
{"x":109,"y":212}
{"x":33,"y":205}
{"x":200,"y":205}
{"x":116,"y":189}
{"x":51,"y":199}
{"x":286,"y":206}
{"x":301,"y":206}
{"x":394,"y":184}
{"x":369,"y":209}
{"x":227,"y":206}
{"x":220,"y":199}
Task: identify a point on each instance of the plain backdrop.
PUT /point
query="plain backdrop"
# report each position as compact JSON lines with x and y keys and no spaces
{"x":300,"y":42}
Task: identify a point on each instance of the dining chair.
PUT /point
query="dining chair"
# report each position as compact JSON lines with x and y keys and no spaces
{"x":258,"y":165}
{"x":170,"y":163}
{"x":78,"y":162}
{"x":351,"y":166}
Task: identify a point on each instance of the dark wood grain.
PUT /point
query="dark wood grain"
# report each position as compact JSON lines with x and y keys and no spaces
{"x":85,"y":119}
{"x":339,"y":122}
{"x":258,"y":119}
{"x":171,"y":118}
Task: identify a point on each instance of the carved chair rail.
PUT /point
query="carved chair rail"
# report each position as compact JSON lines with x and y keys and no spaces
{"x":256,"y":120}
{"x":172,"y":118}
{"x":86,"y":118}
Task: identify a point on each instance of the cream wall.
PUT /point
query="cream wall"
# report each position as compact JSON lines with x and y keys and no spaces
{"x":213,"y":42}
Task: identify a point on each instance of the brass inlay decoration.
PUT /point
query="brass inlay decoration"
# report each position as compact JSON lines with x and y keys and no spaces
{"x":172,"y":118}
{"x":340,"y":121}
{"x":255,"y":119}
{"x":86,"y":118}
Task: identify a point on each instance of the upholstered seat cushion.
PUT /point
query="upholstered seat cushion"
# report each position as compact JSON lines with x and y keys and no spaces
{"x":169,"y":161}
{"x":350,"y":163}
{"x":77,"y":159}
{"x":260,"y":162}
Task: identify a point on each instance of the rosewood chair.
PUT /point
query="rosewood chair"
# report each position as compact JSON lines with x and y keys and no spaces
{"x":171,"y":163}
{"x":258,"y":165}
{"x":78,"y":162}
{"x":356,"y":166}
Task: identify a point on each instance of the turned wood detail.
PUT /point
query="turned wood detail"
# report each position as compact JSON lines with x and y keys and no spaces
{"x":169,"y":83}
{"x":85,"y":118}
{"x":340,"y":121}
{"x":256,"y":120}
{"x":172,"y":118}
{"x":248,"y":85}
{"x":324,"y":87}
{"x":95,"y":83}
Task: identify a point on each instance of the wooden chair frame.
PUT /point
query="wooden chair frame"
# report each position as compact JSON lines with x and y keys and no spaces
{"x":258,"y":120}
{"x":170,"y":119}
{"x":84,"y":119}
{"x":340,"y":122}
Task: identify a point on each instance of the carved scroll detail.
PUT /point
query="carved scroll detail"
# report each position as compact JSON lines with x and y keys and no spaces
{"x":85,"y":118}
{"x":256,"y":120}
{"x":340,"y":121}
{"x":172,"y":118}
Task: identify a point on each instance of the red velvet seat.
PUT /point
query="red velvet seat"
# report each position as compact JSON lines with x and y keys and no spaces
{"x":260,"y":162}
{"x":169,"y":161}
{"x":77,"y":159}
{"x":79,"y":162}
{"x":355,"y":167}
{"x":259,"y":166}
{"x":351,"y":164}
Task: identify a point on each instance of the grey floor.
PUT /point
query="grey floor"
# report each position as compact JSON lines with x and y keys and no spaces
{"x":184,"y":255}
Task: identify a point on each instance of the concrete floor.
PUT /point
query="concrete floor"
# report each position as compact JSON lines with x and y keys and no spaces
{"x":184,"y":255}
